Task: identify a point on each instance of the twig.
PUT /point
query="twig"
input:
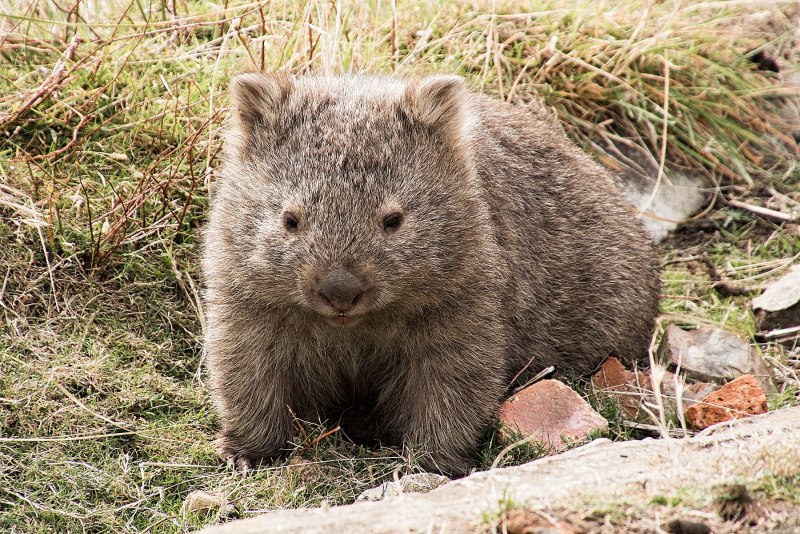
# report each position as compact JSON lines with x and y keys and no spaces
{"x":722,"y":284}
{"x":775,"y":193}
{"x":664,"y":130}
{"x":521,"y":371}
{"x":48,"y":86}
{"x":541,"y":374}
{"x":787,"y":374}
{"x":764,"y":212}
{"x":177,"y":465}
{"x":58,"y":439}
{"x":780,"y":332}
{"x":74,"y":139}
{"x":80,"y":404}
{"x":297,"y":423}
{"x":323,"y":436}
{"x":656,"y":430}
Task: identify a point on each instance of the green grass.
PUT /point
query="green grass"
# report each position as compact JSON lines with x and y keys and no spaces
{"x":108,"y":147}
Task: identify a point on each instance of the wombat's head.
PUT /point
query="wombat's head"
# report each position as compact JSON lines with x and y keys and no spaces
{"x":353,"y":197}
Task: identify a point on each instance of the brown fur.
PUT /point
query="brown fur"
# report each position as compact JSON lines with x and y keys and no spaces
{"x":513,"y":244}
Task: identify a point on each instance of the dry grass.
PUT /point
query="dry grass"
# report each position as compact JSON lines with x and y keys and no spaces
{"x":112,"y":120}
{"x":110,"y":114}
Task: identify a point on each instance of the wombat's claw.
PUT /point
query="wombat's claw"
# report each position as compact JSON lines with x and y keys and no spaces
{"x":244,"y":466}
{"x":240,"y":464}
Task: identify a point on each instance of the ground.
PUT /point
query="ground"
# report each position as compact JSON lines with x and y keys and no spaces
{"x":111,"y":119}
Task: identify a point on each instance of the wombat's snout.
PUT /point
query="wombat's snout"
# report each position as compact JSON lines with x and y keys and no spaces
{"x":340,"y":290}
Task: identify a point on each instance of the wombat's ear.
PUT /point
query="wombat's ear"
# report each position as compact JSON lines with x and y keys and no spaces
{"x":435,"y":101}
{"x":257,"y":99}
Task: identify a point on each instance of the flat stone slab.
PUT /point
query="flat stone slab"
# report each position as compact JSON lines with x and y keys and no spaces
{"x":600,"y":472}
{"x":785,"y":292}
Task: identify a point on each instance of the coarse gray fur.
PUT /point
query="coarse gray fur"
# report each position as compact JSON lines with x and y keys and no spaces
{"x":512,"y":245}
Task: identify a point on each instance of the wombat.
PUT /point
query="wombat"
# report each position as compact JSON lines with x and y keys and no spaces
{"x":412,"y":247}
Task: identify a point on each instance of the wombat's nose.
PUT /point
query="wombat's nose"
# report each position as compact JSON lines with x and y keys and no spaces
{"x":340,"y":289}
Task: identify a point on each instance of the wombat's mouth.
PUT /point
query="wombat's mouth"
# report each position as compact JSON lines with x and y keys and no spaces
{"x":342,"y":320}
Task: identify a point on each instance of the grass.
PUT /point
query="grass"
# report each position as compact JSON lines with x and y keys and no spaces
{"x":110,"y":132}
{"x":763,"y":504}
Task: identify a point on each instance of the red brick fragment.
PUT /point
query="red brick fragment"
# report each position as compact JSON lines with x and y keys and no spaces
{"x":615,"y":380}
{"x":552,"y":412}
{"x":737,"y":399}
{"x":632,"y":388}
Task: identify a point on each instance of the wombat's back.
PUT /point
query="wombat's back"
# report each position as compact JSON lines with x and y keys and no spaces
{"x":583,"y":276}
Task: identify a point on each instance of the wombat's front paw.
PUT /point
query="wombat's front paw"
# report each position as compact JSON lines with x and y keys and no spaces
{"x":450,"y":465}
{"x":241,"y":458}
{"x":241,"y":464}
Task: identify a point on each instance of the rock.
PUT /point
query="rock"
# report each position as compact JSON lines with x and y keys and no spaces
{"x":677,"y":197}
{"x":737,"y":399}
{"x":694,"y":393}
{"x":414,"y":483}
{"x":631,"y":389}
{"x":690,"y":393}
{"x":613,"y":376}
{"x":607,"y":476}
{"x":712,"y":354}
{"x":205,"y":501}
{"x":550,"y":411}
{"x":674,"y":202}
{"x":779,"y":305}
{"x":614,"y":380}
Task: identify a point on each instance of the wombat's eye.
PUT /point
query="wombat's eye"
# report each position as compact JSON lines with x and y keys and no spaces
{"x":290,"y":221}
{"x":392,"y":221}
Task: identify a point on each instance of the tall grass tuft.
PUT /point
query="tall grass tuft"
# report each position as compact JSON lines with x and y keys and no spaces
{"x":111,"y":110}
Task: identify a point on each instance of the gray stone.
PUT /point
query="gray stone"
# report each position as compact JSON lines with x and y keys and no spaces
{"x":779,"y":305}
{"x":712,"y":354}
{"x":782,"y":294}
{"x":677,"y":197}
{"x":674,"y":202}
{"x":414,"y":483}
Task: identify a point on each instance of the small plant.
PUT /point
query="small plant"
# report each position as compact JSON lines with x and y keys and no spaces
{"x":663,"y":500}
{"x":494,"y":519}
{"x":736,"y":502}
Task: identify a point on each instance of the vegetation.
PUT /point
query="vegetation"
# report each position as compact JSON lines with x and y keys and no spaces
{"x":111,"y":115}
